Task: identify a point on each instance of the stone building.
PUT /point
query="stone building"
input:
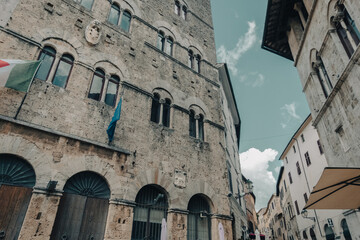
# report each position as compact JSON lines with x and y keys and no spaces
{"x":270,"y":219}
{"x":232,"y":124}
{"x":322,"y":38}
{"x":60,"y":176}
{"x":250,"y":200}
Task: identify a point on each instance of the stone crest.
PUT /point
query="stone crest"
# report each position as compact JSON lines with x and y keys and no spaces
{"x":180,"y":178}
{"x":93,"y":32}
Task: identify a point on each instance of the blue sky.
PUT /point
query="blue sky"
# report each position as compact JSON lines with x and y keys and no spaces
{"x":268,"y":91}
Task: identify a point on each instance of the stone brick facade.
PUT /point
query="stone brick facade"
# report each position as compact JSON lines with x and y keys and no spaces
{"x":62,"y":132}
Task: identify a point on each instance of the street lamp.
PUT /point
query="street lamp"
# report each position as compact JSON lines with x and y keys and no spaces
{"x":304,"y":214}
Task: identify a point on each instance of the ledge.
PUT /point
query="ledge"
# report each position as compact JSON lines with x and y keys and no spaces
{"x":55,"y":132}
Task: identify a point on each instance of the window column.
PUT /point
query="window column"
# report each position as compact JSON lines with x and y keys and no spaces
{"x":105,"y":85}
{"x":197,"y":117}
{"x":162,"y":101}
{"x":53,"y":69}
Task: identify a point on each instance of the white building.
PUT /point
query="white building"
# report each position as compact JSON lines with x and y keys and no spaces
{"x":304,"y":161}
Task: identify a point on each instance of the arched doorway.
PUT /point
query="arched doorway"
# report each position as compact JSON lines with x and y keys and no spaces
{"x":312,"y":234}
{"x":199,"y":224}
{"x":345,"y":229}
{"x":151,"y":209}
{"x":17,"y":178}
{"x":83,"y":208}
{"x":329,"y":232}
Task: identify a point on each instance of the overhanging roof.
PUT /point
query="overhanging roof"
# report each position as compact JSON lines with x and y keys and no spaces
{"x":275,"y":37}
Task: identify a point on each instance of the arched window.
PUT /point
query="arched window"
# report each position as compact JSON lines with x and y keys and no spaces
{"x":192,"y":124}
{"x":199,"y":224}
{"x":17,"y":178}
{"x":63,"y":70}
{"x":83,"y":208}
{"x":114,"y":14}
{"x":86,"y":3}
{"x":197,"y":63}
{"x":345,"y":229}
{"x":169,"y":46}
{"x":184,"y":12}
{"x":161,"y":41}
{"x":201,"y":127}
{"x":312,"y":234}
{"x":346,"y":29}
{"x":305,"y":235}
{"x":191,"y":59}
{"x":47,"y":56}
{"x":177,"y":8}
{"x":323,"y":77}
{"x":329,"y":232}
{"x":151,"y":209}
{"x":155,"y":108}
{"x":112,"y":89}
{"x":166,"y":113}
{"x":125,"y":21}
{"x":97,"y":85}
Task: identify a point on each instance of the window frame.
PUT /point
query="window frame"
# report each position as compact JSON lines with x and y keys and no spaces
{"x":53,"y":54}
{"x":103,"y":83}
{"x":119,"y":13}
{"x":307,"y":158}
{"x":125,"y":11}
{"x":112,"y":79}
{"x":62,"y":59}
{"x":298,"y":168}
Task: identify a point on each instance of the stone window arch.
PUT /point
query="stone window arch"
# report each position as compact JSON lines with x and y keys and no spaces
{"x":120,"y":16}
{"x":194,"y":59}
{"x":322,"y":75}
{"x":17,"y":179}
{"x":196,"y":122}
{"x":58,"y":59}
{"x":346,"y":28}
{"x":165,"y":41}
{"x":149,"y":213}
{"x":181,"y":9}
{"x":199,"y":218}
{"x":83,"y":208}
{"x":161,"y":107}
{"x":104,"y":87}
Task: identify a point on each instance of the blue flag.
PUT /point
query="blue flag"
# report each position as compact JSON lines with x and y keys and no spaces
{"x":111,"y":129}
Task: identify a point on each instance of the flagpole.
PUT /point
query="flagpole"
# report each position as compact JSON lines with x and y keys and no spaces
{"x":23,"y":100}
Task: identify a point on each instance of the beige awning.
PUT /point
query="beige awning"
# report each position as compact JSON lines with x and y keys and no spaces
{"x":338,"y":188}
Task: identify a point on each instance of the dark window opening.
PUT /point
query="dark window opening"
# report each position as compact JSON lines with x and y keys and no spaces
{"x":125,"y":21}
{"x":290,"y":178}
{"x":199,"y":221}
{"x":112,"y":89}
{"x":298,"y":168}
{"x":297,"y":208}
{"x":114,"y":14}
{"x":155,"y":108}
{"x":161,"y":41}
{"x":97,"y":85}
{"x":192,"y":124}
{"x":320,"y":147}
{"x":166,"y":113}
{"x":307,"y":158}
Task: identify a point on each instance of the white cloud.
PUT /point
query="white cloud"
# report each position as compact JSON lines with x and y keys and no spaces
{"x":244,"y":43}
{"x":254,"y":166}
{"x":288,"y":112}
{"x":253,"y":79}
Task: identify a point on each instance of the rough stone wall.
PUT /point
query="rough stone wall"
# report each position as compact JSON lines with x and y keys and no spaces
{"x":341,"y":107}
{"x":61,"y":132}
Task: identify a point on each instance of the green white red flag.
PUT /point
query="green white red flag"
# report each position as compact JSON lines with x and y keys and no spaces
{"x":17,"y":74}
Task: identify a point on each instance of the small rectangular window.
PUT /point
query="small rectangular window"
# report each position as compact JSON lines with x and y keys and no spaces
{"x":297,"y":208}
{"x":294,"y":149}
{"x":298,"y":168}
{"x":305,"y":198}
{"x":302,"y":137}
{"x":290,"y":178}
{"x":320,"y":147}
{"x":307,"y":158}
{"x":285,"y":186}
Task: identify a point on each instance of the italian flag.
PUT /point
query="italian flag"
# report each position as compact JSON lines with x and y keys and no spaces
{"x":17,"y":74}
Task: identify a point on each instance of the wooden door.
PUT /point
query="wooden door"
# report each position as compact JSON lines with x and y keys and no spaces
{"x":14,"y":202}
{"x":80,"y":217}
